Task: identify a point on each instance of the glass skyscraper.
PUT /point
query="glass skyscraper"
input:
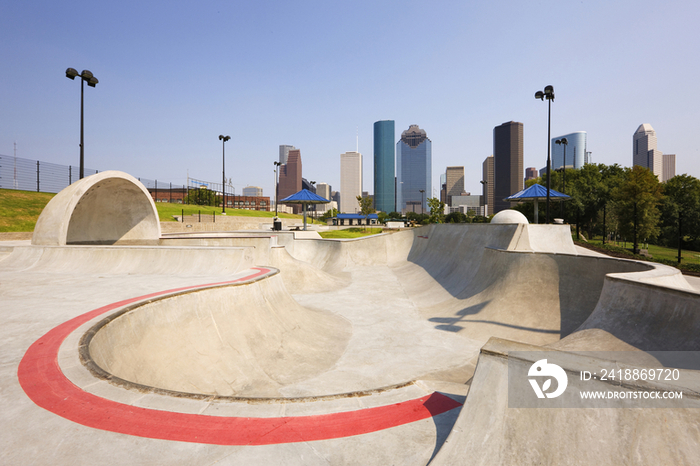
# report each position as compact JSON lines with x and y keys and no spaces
{"x":384,"y":181}
{"x":413,"y":170}
{"x":575,"y":151}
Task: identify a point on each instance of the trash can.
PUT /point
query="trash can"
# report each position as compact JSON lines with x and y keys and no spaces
{"x":277,"y":225}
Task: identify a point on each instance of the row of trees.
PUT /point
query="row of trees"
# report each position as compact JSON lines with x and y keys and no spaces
{"x":626,"y":203}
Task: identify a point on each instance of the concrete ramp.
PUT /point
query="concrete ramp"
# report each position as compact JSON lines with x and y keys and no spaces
{"x":488,"y":432}
{"x":248,"y":341}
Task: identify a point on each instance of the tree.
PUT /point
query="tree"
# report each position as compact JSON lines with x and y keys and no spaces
{"x":680,"y":212}
{"x":437,"y":210}
{"x":365,"y":205}
{"x":328,"y":214}
{"x":202,"y":196}
{"x":456,"y":217}
{"x":636,"y":202}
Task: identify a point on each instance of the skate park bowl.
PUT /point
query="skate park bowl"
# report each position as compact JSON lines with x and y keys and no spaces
{"x":445,"y":305}
{"x":107,"y":208}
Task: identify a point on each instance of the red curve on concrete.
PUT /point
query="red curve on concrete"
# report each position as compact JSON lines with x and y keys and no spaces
{"x":42,"y":380}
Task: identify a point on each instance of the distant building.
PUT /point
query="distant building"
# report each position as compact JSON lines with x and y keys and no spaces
{"x":531,"y":173}
{"x":248,"y":202}
{"x":669,"y":169}
{"x":644,"y":151}
{"x":443,"y":188}
{"x":413,"y":170}
{"x":323,"y":190}
{"x":454,"y":183}
{"x":384,"y":171}
{"x":488,"y":184}
{"x":350,"y":181}
{"x":576,"y":149}
{"x":508,"y":163}
{"x":468,"y":203}
{"x":255,"y":191}
{"x":284,"y":153}
{"x":290,"y":177}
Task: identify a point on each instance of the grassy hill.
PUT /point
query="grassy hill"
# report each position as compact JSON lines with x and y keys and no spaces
{"x":19,"y":210}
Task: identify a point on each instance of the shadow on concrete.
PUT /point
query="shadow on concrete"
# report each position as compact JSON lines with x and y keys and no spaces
{"x":444,"y":422}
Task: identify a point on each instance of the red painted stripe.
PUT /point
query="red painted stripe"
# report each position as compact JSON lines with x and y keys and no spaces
{"x":42,"y":380}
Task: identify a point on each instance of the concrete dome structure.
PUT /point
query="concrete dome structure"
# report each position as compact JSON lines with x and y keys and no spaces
{"x":509,"y":216}
{"x":107,"y":208}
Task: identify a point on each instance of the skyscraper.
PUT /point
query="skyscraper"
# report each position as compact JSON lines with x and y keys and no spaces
{"x":284,"y":153}
{"x":384,"y":173}
{"x":669,"y":167}
{"x":323,"y":190}
{"x":487,"y":182}
{"x":644,"y":151}
{"x":530,"y":173}
{"x":576,"y":148}
{"x":413,"y":170}
{"x":454,"y":183}
{"x":508,"y":163}
{"x":290,"y":177}
{"x":350,"y":181}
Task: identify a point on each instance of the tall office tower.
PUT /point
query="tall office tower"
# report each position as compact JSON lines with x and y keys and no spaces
{"x":413,"y":170}
{"x":576,"y":148}
{"x":443,"y":187}
{"x":508,"y":163}
{"x":384,"y":174}
{"x":669,"y":167}
{"x":454,"y":184}
{"x":255,"y":191}
{"x":284,"y":153}
{"x":645,"y":152}
{"x":530,"y":173}
{"x":323,"y":190}
{"x":350,"y":181}
{"x":487,"y":184}
{"x":290,"y":177}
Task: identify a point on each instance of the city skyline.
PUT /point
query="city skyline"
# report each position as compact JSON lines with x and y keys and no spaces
{"x":170,"y":83}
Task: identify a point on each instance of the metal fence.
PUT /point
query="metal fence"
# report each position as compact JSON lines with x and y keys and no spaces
{"x":34,"y":175}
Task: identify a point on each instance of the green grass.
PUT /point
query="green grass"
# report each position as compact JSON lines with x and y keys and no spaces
{"x":350,"y":233}
{"x":19,"y":210}
{"x":690,"y":260}
{"x":167,"y":210}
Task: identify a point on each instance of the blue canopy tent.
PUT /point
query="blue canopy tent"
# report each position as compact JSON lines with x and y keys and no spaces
{"x":304,"y":197}
{"x":534,"y":193}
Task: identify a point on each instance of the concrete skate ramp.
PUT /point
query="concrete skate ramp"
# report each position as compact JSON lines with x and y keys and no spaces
{"x":116,"y":260}
{"x":651,"y":311}
{"x":106,"y":208}
{"x":249,"y":340}
{"x":488,"y":432}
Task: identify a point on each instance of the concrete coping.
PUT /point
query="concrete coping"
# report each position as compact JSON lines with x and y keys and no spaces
{"x":575,"y":362}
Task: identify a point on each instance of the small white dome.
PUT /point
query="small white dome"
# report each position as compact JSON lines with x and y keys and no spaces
{"x":509,"y":216}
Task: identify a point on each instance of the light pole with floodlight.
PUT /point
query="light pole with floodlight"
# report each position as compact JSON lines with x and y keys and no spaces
{"x":223,"y":140}
{"x":85,"y":76}
{"x":548,"y":94}
{"x":564,"y":142}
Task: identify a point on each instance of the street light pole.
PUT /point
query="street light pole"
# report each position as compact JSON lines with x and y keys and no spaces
{"x":85,"y":76}
{"x":564,"y":142}
{"x":422,"y":192}
{"x":223,"y":140}
{"x":548,"y":94}
{"x":277,"y":186}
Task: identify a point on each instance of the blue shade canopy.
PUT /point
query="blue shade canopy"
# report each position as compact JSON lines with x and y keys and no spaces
{"x":536,"y":191}
{"x":305,"y":197}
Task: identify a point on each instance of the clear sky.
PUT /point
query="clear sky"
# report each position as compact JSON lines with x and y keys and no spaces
{"x":317,"y":75}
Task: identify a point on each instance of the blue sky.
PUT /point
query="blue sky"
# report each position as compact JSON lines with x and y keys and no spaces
{"x":318,"y":74}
